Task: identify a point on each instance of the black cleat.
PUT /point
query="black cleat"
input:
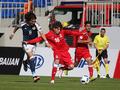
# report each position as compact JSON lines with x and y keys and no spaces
{"x":25,"y":65}
{"x":107,"y":76}
{"x":98,"y":76}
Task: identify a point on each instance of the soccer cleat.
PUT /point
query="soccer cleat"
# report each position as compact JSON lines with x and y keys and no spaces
{"x":60,"y":73}
{"x":35,"y":78}
{"x":52,"y":81}
{"x":107,"y":76}
{"x":98,"y":76}
{"x":66,"y":72}
{"x":92,"y":79}
{"x":25,"y":65}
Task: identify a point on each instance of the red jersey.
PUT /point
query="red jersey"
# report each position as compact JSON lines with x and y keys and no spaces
{"x":84,"y":37}
{"x":56,"y":41}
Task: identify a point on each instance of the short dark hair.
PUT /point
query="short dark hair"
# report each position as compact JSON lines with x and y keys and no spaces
{"x":30,"y":16}
{"x":87,"y":22}
{"x":57,"y":24}
{"x":103,"y":29}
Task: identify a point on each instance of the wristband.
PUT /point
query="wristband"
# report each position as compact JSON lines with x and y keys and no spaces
{"x":46,"y":41}
{"x":13,"y":34}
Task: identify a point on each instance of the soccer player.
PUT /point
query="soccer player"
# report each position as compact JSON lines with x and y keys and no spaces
{"x":101,"y":43}
{"x":30,"y":28}
{"x":82,"y":50}
{"x":60,"y":48}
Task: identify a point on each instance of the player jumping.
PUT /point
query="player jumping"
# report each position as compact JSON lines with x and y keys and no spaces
{"x":30,"y":28}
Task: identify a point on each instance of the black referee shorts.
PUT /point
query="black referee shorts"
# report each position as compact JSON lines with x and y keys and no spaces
{"x":103,"y":54}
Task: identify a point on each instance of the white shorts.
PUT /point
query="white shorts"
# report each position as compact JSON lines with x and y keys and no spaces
{"x":29,"y":47}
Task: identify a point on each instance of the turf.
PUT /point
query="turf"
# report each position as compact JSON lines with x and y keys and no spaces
{"x":15,"y":82}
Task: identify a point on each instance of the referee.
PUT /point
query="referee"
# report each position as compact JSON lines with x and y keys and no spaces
{"x":101,"y":43}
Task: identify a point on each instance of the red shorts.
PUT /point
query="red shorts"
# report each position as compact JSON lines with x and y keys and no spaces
{"x":64,"y":57}
{"x":81,"y":53}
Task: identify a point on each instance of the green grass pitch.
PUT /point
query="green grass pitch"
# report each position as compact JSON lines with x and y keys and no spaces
{"x":16,"y":82}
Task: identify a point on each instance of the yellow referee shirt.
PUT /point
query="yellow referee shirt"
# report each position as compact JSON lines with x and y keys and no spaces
{"x":101,"y":42}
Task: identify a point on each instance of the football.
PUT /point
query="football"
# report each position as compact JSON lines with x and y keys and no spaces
{"x":84,"y":79}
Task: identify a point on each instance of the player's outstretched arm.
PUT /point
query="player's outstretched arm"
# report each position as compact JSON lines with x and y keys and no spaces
{"x":71,"y":33}
{"x":47,"y":43}
{"x":11,"y":36}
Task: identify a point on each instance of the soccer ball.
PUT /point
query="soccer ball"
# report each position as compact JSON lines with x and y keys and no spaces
{"x":102,"y":76}
{"x":84,"y":79}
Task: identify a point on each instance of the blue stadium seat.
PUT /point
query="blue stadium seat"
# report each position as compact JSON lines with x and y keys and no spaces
{"x":48,"y":4}
{"x":22,"y":0}
{"x":17,"y":11}
{"x":4,"y":4}
{"x":22,"y":5}
{"x":35,"y":2}
{"x":117,"y":16}
{"x":4,"y":13}
{"x":14,"y":5}
{"x":43,"y":3}
{"x":11,"y":13}
{"x":9,"y":5}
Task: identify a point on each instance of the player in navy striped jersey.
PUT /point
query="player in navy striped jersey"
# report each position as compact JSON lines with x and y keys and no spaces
{"x":30,"y":28}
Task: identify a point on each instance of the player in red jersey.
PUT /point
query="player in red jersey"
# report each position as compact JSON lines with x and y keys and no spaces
{"x":82,"y":50}
{"x":60,"y":48}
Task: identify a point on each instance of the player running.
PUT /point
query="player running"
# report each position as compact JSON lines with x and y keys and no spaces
{"x":30,"y":28}
{"x":60,"y":48}
{"x":82,"y":50}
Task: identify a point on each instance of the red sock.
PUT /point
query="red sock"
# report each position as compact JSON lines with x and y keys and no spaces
{"x":90,"y":71}
{"x":54,"y":70}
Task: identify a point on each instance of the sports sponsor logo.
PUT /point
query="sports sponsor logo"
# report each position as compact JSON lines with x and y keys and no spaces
{"x":9,"y":61}
{"x":83,"y":63}
{"x":39,"y":61}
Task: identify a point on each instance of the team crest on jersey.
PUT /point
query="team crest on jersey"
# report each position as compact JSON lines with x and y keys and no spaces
{"x":27,"y":48}
{"x":60,"y":35}
{"x":33,"y":28}
{"x":56,"y":56}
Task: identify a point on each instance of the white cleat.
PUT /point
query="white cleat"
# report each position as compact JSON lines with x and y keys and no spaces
{"x":52,"y":81}
{"x":35,"y":78}
{"x":60,"y":73}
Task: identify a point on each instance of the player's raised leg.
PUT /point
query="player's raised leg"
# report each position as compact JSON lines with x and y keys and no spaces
{"x":66,"y":68}
{"x":67,"y":62}
{"x":54,"y":70}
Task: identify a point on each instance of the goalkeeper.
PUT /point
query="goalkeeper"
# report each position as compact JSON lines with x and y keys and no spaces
{"x":101,"y":43}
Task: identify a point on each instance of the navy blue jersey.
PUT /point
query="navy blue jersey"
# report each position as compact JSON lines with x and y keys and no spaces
{"x":29,"y":32}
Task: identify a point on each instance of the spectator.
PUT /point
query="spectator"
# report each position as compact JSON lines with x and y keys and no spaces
{"x":25,"y":11}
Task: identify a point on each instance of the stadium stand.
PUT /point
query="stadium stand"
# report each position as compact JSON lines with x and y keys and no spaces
{"x":9,"y":13}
